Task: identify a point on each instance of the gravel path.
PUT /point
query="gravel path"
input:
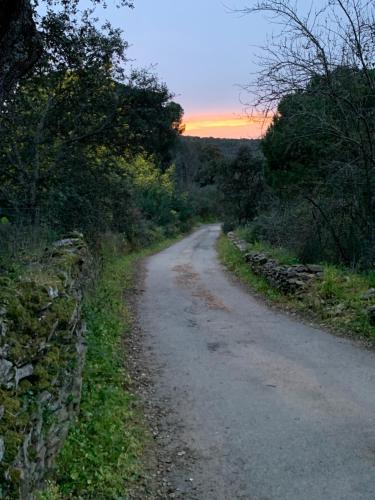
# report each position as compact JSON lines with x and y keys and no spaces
{"x":256,"y":405}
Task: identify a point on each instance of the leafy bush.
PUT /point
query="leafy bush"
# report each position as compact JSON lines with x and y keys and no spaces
{"x":295,"y":225}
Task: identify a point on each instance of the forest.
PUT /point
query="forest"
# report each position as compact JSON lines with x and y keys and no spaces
{"x":309,"y":186}
{"x":86,"y":145}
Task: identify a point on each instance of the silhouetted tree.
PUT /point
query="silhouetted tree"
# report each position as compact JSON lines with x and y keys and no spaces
{"x":23,"y":36}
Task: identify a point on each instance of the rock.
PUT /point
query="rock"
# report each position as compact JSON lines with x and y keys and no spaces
{"x":313,"y":268}
{"x":298,"y":268}
{"x":2,"y":449}
{"x":260,"y":259}
{"x":23,"y":372}
{"x":53,"y":292}
{"x":44,"y":346}
{"x":4,"y":351}
{"x":306,"y":276}
{"x":44,"y":397}
{"x":3,"y":327}
{"x":337,"y":310}
{"x":295,"y":283}
{"x":5,"y":371}
{"x":241,"y":245}
{"x":67,"y":242}
{"x":369,"y":294}
{"x":288,"y":279}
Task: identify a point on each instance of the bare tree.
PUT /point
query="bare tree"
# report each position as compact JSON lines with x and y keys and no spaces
{"x":339,"y":33}
{"x":328,"y":52}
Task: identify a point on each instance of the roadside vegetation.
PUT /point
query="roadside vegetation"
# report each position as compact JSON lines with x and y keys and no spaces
{"x":102,"y":455}
{"x":337,"y":300}
{"x":282,"y":255}
{"x":306,"y":195}
{"x":86,"y":145}
{"x":86,"y":142}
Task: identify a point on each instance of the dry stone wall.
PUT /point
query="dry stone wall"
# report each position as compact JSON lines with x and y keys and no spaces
{"x":287,"y":279}
{"x":293,"y":279}
{"x":42,"y":352}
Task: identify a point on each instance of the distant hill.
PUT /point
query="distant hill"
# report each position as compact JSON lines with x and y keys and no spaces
{"x":228,"y":147}
{"x":187,"y":154}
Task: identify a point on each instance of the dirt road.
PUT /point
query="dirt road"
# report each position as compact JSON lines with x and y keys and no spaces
{"x":259,"y":406}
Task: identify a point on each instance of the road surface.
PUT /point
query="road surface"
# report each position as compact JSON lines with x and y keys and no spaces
{"x":260,"y":406}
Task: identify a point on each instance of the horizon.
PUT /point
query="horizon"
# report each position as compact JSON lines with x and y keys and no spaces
{"x":226,"y":126}
{"x":204,"y":53}
{"x":208,"y":64}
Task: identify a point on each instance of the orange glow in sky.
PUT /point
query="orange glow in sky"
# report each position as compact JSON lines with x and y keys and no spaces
{"x":226,"y":126}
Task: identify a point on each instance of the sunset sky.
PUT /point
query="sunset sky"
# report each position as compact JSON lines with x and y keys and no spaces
{"x":225,"y":125}
{"x":204,"y":52}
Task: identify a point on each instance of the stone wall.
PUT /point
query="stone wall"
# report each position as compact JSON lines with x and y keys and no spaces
{"x":287,"y":279}
{"x":42,"y":351}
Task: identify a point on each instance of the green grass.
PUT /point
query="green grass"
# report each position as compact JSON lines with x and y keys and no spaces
{"x":282,"y":255}
{"x":233,"y":259}
{"x":334,"y":301}
{"x":101,"y":457}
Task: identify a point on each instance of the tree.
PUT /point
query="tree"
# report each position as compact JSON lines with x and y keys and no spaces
{"x":242,"y":184}
{"x":69,"y":100}
{"x":321,"y":72}
{"x":211,"y":163}
{"x":71,"y":131}
{"x":23,"y":37}
{"x":20,"y":44}
{"x":151,"y":119}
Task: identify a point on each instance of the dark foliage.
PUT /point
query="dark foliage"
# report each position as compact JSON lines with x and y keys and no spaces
{"x":320,"y":149}
{"x":85,"y":146}
{"x":321,"y":154}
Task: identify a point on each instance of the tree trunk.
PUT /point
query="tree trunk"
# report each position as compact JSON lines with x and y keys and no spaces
{"x":20,"y":44}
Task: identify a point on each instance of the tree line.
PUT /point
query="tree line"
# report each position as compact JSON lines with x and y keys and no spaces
{"x":311,"y":186}
{"x":85,"y":144}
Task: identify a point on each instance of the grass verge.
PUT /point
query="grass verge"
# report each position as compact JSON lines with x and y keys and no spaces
{"x":282,"y":255}
{"x":234,"y":260}
{"x":101,"y":457}
{"x":335,"y":301}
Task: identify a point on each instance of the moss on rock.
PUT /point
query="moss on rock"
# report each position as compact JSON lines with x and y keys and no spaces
{"x":41,"y":359}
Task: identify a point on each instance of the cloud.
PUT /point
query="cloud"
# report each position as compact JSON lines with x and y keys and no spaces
{"x":226,"y":126}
